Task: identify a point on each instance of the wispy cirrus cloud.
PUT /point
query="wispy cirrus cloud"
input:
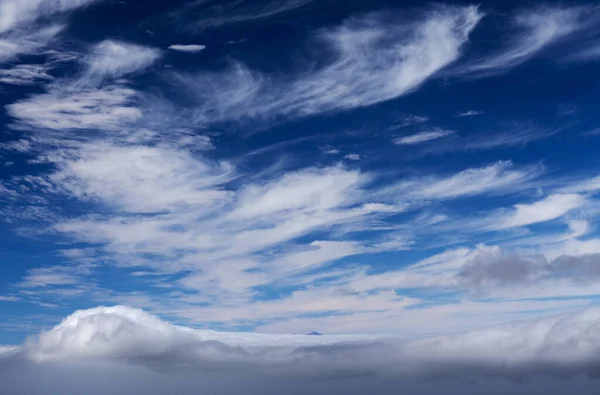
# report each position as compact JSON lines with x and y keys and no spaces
{"x":103,"y":109}
{"x":24,"y":28}
{"x":469,"y":113}
{"x":548,"y":209}
{"x":374,"y":62}
{"x":423,"y":137}
{"x":113,"y":59}
{"x":539,"y":28}
{"x":211,"y":15}
{"x":25,"y":74}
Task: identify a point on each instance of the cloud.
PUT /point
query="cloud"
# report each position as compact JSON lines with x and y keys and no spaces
{"x":187,"y":48}
{"x":8,"y":299}
{"x":104,"y":109}
{"x":22,"y":26}
{"x":539,"y":28}
{"x":494,"y":267}
{"x":26,"y":41}
{"x":548,"y":209}
{"x":352,"y":156}
{"x":231,"y":12}
{"x":409,"y":121}
{"x":25,"y":74}
{"x":422,"y":137}
{"x":97,"y":343}
{"x":16,"y":12}
{"x":142,"y":179}
{"x":470,"y":113}
{"x":113,"y":59}
{"x":498,"y":177}
{"x":374,"y":59}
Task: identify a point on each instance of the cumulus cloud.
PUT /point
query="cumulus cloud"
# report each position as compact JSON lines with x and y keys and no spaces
{"x":97,"y":343}
{"x":187,"y":48}
{"x":422,"y":137}
{"x":376,"y":59}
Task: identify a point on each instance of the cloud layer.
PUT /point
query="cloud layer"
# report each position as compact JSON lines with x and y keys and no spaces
{"x":95,"y":343}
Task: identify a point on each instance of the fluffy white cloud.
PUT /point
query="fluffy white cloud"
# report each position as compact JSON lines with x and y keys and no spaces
{"x":563,"y":344}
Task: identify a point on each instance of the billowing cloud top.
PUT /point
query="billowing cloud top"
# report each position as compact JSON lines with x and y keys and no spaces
{"x":130,"y":339}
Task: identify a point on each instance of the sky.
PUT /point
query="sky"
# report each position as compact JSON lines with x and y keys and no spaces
{"x":407,"y":176}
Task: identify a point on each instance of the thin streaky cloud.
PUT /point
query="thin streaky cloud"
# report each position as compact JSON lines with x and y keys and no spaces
{"x":375,"y":62}
{"x":212,"y":15}
{"x":540,"y":28}
{"x":469,"y":113}
{"x":192,"y":48}
{"x":423,"y":137}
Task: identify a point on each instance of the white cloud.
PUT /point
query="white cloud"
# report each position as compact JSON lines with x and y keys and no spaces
{"x":15,"y":12}
{"x":25,"y":74}
{"x":422,"y":137}
{"x":237,"y":12}
{"x":8,"y":299}
{"x":539,"y":28}
{"x":187,"y":48}
{"x":410,"y":120}
{"x":105,"y":109}
{"x":548,"y":209}
{"x":113,"y":59}
{"x":469,"y":113}
{"x":562,"y":344}
{"x":352,"y":156}
{"x":142,"y":179}
{"x":375,"y":60}
{"x":21,"y":31}
{"x":26,"y":42}
{"x":496,"y":178}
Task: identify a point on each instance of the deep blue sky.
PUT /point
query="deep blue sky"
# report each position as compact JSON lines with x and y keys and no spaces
{"x":288,"y":166}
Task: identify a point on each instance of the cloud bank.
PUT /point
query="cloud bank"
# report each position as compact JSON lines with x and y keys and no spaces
{"x":91,"y":345}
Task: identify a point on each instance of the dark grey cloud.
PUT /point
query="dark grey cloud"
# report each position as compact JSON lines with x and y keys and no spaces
{"x":500,"y":269}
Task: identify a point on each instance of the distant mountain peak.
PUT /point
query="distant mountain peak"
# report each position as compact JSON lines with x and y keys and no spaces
{"x":314,"y":333}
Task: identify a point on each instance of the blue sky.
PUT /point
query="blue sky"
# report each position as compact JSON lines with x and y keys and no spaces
{"x":297,"y":165}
